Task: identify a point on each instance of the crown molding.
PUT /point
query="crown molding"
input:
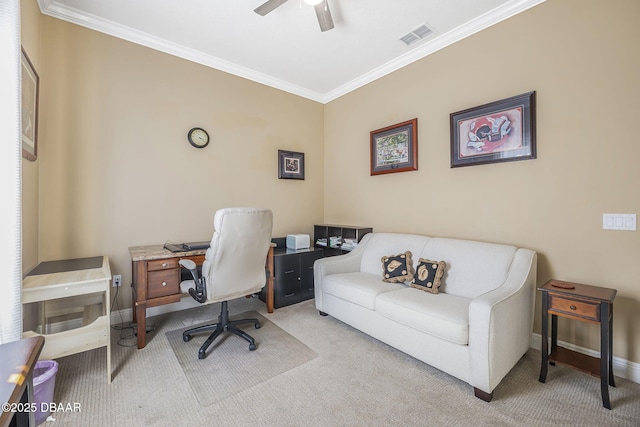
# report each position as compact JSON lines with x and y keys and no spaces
{"x":56,"y":10}
{"x":434,"y":44}
{"x":74,"y":16}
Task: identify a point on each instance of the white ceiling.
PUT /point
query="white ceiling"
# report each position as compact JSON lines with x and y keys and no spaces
{"x":286,"y":49}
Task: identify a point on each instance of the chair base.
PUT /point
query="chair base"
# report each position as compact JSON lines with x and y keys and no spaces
{"x":223,"y":325}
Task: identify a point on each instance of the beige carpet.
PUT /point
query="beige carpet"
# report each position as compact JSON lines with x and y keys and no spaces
{"x":230,"y":367}
{"x":354,"y":381}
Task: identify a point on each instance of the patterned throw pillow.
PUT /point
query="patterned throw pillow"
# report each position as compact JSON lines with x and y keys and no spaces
{"x":428,"y":275}
{"x":397,"y":268}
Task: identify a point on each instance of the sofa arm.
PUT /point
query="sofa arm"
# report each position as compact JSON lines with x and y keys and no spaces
{"x":501,"y":322}
{"x":347,"y":263}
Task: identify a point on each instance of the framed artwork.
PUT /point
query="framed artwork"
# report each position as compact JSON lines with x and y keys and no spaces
{"x":500,"y":131}
{"x":30,"y":94}
{"x":290,"y":165}
{"x":395,"y":148}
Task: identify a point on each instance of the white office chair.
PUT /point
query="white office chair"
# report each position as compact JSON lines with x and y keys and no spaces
{"x":234,"y":267}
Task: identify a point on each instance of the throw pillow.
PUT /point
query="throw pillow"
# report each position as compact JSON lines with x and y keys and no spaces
{"x":397,"y":268}
{"x":428,"y":275}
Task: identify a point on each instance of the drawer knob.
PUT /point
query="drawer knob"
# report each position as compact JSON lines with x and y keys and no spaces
{"x":164,"y":283}
{"x":572,"y":307}
{"x":164,"y":264}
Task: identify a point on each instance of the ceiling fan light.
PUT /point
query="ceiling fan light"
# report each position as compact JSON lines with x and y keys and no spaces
{"x":313,"y":2}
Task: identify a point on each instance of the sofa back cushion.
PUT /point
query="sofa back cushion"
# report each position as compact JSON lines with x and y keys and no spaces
{"x":378,"y":245}
{"x":473,"y":268}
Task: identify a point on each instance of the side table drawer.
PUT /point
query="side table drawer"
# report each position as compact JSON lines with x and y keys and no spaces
{"x":163,"y":282}
{"x":574,"y":308}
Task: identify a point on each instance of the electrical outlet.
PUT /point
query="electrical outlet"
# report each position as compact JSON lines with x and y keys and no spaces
{"x":117,"y":279}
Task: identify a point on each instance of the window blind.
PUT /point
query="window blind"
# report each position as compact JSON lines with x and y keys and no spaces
{"x":10,"y":173}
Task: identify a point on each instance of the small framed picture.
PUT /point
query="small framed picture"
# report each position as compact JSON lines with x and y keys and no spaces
{"x":500,"y":131}
{"x":395,"y":148}
{"x":30,"y":88}
{"x":290,"y":165}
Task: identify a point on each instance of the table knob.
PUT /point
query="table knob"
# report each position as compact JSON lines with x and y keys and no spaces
{"x":572,"y":307}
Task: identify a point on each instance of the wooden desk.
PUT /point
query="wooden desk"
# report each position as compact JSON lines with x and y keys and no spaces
{"x":156,"y":281}
{"x":584,"y":303}
{"x":73,"y":283}
{"x":18,"y":359}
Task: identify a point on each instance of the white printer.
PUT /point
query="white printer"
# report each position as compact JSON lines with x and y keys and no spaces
{"x":298,"y":241}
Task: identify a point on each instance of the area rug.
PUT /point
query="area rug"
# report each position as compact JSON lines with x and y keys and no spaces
{"x":230,"y":367}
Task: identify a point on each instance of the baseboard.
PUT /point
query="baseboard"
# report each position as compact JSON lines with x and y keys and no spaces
{"x":621,"y":367}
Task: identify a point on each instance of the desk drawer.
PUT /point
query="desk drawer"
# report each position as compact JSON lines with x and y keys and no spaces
{"x":162,"y":264}
{"x":574,"y":308}
{"x":163,"y":282}
{"x":198,"y":259}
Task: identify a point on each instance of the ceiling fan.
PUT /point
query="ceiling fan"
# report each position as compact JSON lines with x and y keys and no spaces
{"x":321,"y":6}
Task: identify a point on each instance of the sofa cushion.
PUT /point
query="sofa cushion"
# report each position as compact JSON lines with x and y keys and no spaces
{"x":397,"y":268}
{"x":428,"y":275}
{"x":442,"y":315}
{"x":358,"y":288}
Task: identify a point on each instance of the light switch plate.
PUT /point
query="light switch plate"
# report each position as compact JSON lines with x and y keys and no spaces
{"x":625,"y":222}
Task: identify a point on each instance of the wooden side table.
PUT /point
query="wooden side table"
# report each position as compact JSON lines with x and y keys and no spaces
{"x":585,"y":303}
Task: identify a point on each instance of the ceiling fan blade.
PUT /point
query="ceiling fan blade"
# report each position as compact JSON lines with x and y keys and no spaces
{"x":324,"y":16}
{"x":268,"y":6}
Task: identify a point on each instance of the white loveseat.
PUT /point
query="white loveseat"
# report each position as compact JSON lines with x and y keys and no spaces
{"x":476,"y":328}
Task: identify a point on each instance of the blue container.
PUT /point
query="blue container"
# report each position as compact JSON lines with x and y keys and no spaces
{"x":44,"y":381}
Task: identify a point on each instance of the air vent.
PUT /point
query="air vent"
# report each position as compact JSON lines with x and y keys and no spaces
{"x":417,"y":34}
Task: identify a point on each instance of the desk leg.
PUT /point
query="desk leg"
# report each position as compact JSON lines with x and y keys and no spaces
{"x":544,"y":366}
{"x":25,"y":418}
{"x":141,"y":317}
{"x":605,"y":355}
{"x":270,"y":295}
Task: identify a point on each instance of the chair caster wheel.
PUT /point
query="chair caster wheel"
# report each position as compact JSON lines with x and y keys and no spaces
{"x":252,"y":347}
{"x":201,"y":355}
{"x":258,"y":325}
{"x":186,"y":338}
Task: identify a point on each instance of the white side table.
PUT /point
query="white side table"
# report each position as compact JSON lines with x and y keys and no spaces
{"x":71,"y":278}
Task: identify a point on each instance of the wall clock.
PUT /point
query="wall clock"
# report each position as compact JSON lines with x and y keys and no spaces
{"x":198,"y":137}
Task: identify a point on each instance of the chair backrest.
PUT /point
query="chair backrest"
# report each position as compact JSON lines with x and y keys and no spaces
{"x":234,"y":264}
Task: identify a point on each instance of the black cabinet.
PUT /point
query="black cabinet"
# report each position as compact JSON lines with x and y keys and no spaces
{"x":293,"y":280}
{"x":338,"y":239}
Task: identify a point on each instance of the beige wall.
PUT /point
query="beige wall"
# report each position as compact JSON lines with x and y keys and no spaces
{"x":30,"y":34}
{"x":116,"y":169}
{"x":583,"y":61}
